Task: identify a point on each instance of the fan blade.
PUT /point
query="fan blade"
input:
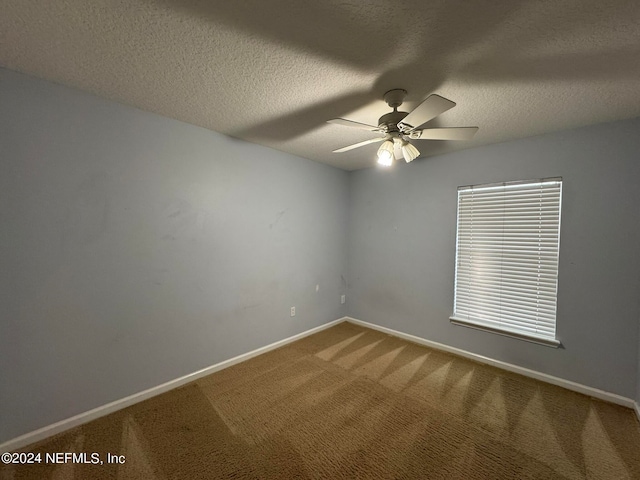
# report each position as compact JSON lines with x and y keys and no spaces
{"x":361,"y":144}
{"x":454,"y":133}
{"x":433,"y":106}
{"x":350,"y":123}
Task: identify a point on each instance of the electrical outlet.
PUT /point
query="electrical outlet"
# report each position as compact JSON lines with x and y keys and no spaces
{"x":293,"y":311}
{"x":343,"y":298}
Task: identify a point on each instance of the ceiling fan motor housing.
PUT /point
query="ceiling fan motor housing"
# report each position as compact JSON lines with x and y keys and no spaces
{"x":389,"y":122}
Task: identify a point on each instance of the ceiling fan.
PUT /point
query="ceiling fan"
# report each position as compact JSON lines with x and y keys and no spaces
{"x":397,"y":128}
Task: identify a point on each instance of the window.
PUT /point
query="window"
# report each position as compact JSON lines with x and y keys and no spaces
{"x":507,"y":258}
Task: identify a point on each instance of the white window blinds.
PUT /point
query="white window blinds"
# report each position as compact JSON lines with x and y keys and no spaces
{"x":507,"y":258}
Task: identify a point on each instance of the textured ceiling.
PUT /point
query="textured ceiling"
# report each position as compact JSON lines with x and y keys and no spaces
{"x":273,"y":72}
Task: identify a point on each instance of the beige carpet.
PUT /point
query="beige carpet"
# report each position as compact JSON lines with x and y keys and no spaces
{"x":350,"y":402}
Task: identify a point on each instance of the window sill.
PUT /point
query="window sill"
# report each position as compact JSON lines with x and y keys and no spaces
{"x":554,"y":343}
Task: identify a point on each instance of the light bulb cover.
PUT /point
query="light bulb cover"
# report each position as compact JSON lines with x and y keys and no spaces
{"x":409,"y":152}
{"x":385,"y":153}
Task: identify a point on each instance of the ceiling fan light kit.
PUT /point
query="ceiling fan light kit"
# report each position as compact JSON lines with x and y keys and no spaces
{"x":400,"y":127}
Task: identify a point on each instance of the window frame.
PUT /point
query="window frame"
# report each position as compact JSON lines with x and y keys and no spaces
{"x":509,"y":330}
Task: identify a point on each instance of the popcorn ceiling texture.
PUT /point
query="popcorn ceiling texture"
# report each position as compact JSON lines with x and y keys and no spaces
{"x":273,"y":72}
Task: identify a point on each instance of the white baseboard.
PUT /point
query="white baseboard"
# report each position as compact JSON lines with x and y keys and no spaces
{"x":98,"y":412}
{"x":576,"y":387}
{"x":637,"y":409}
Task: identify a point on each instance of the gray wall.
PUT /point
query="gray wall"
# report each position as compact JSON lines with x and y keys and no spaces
{"x":402,"y":249}
{"x":135,"y":249}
